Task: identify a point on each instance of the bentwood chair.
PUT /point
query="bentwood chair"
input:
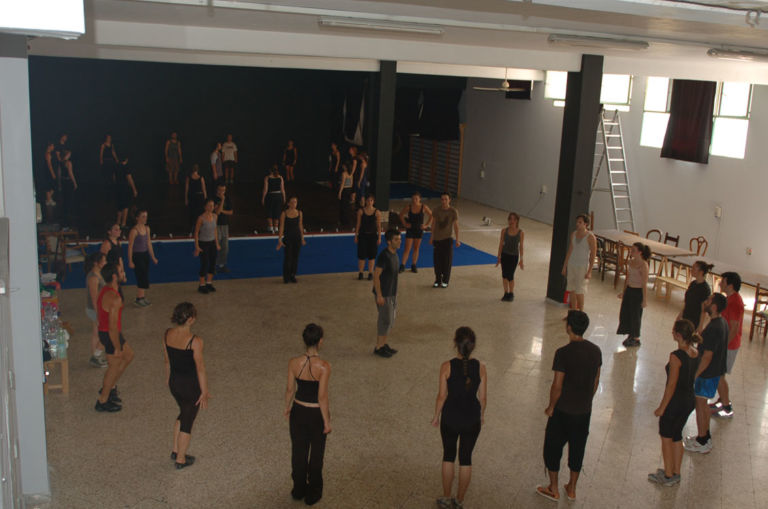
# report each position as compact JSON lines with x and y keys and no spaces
{"x":654,"y":233}
{"x":700,"y":244}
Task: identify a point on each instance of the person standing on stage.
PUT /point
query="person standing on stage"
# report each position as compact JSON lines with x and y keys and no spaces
{"x":273,"y":197}
{"x":206,"y":246}
{"x":291,"y":237}
{"x":308,"y":412}
{"x":361,"y":179}
{"x":109,"y":310}
{"x":126,"y":191}
{"x":578,"y":262}
{"x":140,"y":252}
{"x":229,"y":158}
{"x":412,"y":216}
{"x":173,"y":158}
{"x":195,"y":194}
{"x":186,"y":378}
{"x":367,"y":236}
{"x":49,"y":178}
{"x":334,"y":160}
{"x":385,"y":291}
{"x":510,"y":254}
{"x":111,"y":249}
{"x":108,"y":160}
{"x":346,"y":196}
{"x":68,"y":184}
{"x":61,"y":147}
{"x":290,"y":158}
{"x":217,"y":173}
{"x":445,"y":221}
{"x":223,"y":211}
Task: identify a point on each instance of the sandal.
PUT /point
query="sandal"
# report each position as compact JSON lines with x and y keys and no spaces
{"x":565,"y":487}
{"x":545,"y":492}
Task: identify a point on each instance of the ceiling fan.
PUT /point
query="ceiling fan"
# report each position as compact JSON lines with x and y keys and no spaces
{"x":503,"y":87}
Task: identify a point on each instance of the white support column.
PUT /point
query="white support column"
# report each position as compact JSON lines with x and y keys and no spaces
{"x":19,"y":206}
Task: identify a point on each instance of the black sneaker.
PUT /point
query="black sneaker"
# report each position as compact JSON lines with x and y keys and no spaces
{"x":370,"y":277}
{"x":382,"y":352}
{"x":626,"y":341}
{"x":188,"y":461}
{"x":505,"y":298}
{"x":210,"y":287}
{"x":114,"y":397}
{"x":186,"y":456}
{"x":297,"y":494}
{"x":202,"y":289}
{"x":632,"y":342}
{"x":414,"y":269}
{"x":389,"y":349}
{"x":223,"y":269}
{"x":293,"y":280}
{"x":402,"y":268}
{"x":359,"y":276}
{"x":511,"y":296}
{"x":107,"y":407}
{"x":312,"y":499}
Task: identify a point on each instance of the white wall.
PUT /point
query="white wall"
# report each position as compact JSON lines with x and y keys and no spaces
{"x":520,"y":142}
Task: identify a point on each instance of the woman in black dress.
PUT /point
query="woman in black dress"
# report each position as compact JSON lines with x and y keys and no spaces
{"x":367,"y":236}
{"x":273,"y":197}
{"x":459,"y":412}
{"x":185,"y":376}
{"x":678,"y":401}
{"x":633,"y":296}
{"x":194,"y":194}
{"x":290,"y":158}
{"x":696,"y":295}
{"x":307,"y":410}
{"x":291,"y":237}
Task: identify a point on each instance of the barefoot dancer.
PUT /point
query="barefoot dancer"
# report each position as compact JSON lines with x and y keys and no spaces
{"x":413,"y":218}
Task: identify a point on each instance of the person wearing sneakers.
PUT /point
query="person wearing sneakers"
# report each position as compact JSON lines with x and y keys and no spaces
{"x":459,"y":412}
{"x":139,"y":254}
{"x":223,"y":211}
{"x":385,"y":291}
{"x":713,"y":349}
{"x":445,"y":221}
{"x":367,"y":236}
{"x":678,"y":401}
{"x":206,"y":246}
{"x":577,"y":375}
{"x":185,"y":377}
{"x":413,"y":218}
{"x":730,"y":284}
{"x":93,"y":284}
{"x":273,"y":198}
{"x":510,"y":254}
{"x":109,"y":310}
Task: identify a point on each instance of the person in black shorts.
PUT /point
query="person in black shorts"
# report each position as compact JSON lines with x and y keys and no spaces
{"x":459,"y":412}
{"x":577,"y":375}
{"x":290,"y":158}
{"x":125,"y":189}
{"x":367,"y":236}
{"x":186,"y":378}
{"x":412,"y":216}
{"x":678,"y":401}
{"x":510,"y":254}
{"x":696,"y":295}
{"x":273,"y":197}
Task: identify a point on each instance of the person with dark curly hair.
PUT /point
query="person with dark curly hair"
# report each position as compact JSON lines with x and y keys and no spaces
{"x":308,"y":412}
{"x":186,"y":378}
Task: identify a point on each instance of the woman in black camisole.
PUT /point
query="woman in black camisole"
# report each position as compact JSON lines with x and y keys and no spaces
{"x":412,"y":216}
{"x":307,"y":411}
{"x":459,"y":412}
{"x":291,"y":237}
{"x":273,"y":197}
{"x":186,"y":378}
{"x":290,"y":157}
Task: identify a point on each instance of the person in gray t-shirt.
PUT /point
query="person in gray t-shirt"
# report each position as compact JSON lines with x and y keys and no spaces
{"x":385,"y":291}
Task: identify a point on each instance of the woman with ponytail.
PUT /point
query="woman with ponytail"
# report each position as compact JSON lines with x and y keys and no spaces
{"x":696,"y":296}
{"x":633,"y":296}
{"x":459,"y":412}
{"x":678,"y":401}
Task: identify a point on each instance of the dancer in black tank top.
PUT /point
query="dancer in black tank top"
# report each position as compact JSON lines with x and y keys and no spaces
{"x":273,"y":197}
{"x":308,"y":412}
{"x":290,"y":157}
{"x":291,"y":236}
{"x":185,"y":373}
{"x":195,"y":194}
{"x":412,"y":216}
{"x":111,"y":249}
{"x":459,"y":412}
{"x":367,"y":236}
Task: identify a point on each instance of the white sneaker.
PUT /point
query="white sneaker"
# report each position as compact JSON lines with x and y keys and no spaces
{"x":695,"y":446}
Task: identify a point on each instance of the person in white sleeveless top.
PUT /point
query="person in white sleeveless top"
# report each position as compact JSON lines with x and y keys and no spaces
{"x":578,"y":262}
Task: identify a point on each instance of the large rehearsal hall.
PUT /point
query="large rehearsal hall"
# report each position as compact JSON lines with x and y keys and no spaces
{"x":378,"y":254}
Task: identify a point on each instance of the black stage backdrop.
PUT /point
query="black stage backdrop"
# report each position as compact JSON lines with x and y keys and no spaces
{"x":141,"y":103}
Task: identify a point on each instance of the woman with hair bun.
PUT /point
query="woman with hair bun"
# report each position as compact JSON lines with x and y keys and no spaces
{"x":308,"y":412}
{"x":185,"y":376}
{"x":459,"y":412}
{"x":633,"y":296}
{"x":696,"y":296}
{"x":678,"y":401}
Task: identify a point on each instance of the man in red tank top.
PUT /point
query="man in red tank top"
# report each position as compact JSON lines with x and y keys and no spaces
{"x":109,"y":309}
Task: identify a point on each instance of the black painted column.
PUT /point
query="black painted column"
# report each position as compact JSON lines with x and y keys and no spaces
{"x":385,"y":126}
{"x":577,"y":151}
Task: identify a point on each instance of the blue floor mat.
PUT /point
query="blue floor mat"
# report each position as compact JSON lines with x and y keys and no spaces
{"x":256,"y":257}
{"x":404,"y":190}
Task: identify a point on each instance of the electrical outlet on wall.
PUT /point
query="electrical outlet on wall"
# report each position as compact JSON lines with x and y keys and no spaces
{"x":543,"y":189}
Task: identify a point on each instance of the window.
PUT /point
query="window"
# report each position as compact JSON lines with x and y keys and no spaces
{"x":614,"y":94}
{"x":731,"y":116}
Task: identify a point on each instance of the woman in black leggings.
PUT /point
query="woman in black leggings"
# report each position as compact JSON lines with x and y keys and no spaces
{"x":185,"y":372}
{"x":206,"y":246}
{"x":459,"y":412}
{"x":291,"y":236}
{"x":307,"y":410}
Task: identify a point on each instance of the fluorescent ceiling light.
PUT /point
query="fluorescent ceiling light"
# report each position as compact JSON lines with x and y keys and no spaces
{"x":374,"y":24}
{"x":588,"y":41}
{"x":738,"y":54}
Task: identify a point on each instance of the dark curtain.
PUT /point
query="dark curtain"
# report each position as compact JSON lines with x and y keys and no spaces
{"x":689,"y":131}
{"x":440,"y":115}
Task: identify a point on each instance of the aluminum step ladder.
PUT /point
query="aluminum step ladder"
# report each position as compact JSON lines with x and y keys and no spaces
{"x":610,"y":154}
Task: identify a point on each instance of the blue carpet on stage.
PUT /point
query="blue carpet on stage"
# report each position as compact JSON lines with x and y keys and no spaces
{"x":257,"y":257}
{"x":404,"y":190}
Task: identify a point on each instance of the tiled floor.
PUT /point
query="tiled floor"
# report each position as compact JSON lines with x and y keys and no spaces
{"x":383,"y":453}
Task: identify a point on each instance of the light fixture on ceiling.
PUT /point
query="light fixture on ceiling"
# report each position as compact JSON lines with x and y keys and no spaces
{"x":590,"y":41}
{"x":741,"y":55}
{"x":382,"y":25}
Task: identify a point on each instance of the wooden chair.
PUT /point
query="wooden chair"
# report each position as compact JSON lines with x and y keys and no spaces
{"x":623,"y":263}
{"x":653,"y":233}
{"x":673,"y":241}
{"x":62,"y":248}
{"x":701,"y":245}
{"x":63,"y":368}
{"x":608,"y":254}
{"x":631,"y":232}
{"x":759,"y":313}
{"x":591,"y":221}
